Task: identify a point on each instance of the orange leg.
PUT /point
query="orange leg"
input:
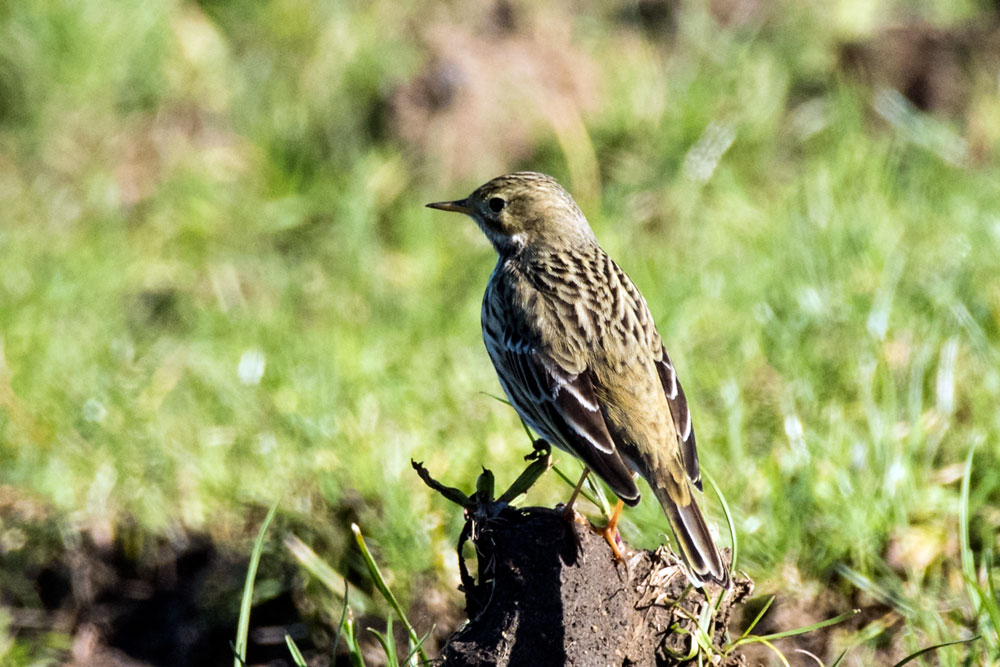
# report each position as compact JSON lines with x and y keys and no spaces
{"x":610,"y":531}
{"x":568,"y":510}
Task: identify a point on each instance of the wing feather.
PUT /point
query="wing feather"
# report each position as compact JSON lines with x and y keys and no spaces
{"x":561,"y":405}
{"x":681,"y":416}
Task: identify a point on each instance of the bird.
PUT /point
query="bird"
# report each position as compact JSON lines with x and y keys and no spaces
{"x":579,"y":357}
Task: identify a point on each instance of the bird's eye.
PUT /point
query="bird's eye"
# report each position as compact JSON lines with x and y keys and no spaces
{"x":497,"y":204}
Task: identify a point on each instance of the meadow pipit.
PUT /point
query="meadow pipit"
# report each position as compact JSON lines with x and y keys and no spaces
{"x":579,"y":356}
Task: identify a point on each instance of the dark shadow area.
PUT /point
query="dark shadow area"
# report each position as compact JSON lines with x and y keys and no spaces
{"x":132,"y":599}
{"x":521,"y":557}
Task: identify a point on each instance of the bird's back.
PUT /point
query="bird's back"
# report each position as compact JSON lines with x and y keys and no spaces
{"x":583,"y":311}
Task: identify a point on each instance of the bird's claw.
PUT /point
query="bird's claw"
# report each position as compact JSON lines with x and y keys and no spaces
{"x":613,"y":538}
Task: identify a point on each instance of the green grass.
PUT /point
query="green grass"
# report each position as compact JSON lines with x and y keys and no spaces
{"x":219,"y":286}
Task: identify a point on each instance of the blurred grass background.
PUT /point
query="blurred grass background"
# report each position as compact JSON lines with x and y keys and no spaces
{"x":219,"y":286}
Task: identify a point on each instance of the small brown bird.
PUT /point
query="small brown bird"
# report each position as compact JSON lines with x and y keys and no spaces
{"x":578,"y":354}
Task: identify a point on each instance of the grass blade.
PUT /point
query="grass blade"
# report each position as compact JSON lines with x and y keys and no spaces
{"x":968,"y":561}
{"x":343,"y":619}
{"x":319,"y":568}
{"x":602,"y":499}
{"x":384,"y":589}
{"x":991,"y":601}
{"x":774,"y":649}
{"x":840,"y":658}
{"x":760,"y":615}
{"x":387,"y":642}
{"x":294,"y":650}
{"x":243,"y":625}
{"x":353,"y":647}
{"x":410,"y":657}
{"x":797,"y":631}
{"x":914,"y":656}
{"x":729,"y":518}
{"x":983,"y":598}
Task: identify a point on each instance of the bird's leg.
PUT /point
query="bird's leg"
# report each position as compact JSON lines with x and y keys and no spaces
{"x":568,"y":511}
{"x":610,"y":531}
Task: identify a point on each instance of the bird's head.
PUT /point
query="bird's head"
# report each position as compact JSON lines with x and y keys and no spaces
{"x":524,"y":210}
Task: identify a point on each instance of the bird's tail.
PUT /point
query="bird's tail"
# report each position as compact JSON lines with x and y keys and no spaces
{"x":697,"y":546}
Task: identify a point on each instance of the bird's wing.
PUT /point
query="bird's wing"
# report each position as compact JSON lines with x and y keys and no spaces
{"x":681,"y":416}
{"x":558,"y":402}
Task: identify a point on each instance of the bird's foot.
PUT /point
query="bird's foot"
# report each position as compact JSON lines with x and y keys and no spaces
{"x":614,"y":540}
{"x":610,"y":532}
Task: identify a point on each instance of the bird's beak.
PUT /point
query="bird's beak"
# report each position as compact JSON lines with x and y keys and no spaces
{"x":458,"y":206}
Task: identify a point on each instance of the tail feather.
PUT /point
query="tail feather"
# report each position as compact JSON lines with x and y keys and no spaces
{"x":696,"y":544}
